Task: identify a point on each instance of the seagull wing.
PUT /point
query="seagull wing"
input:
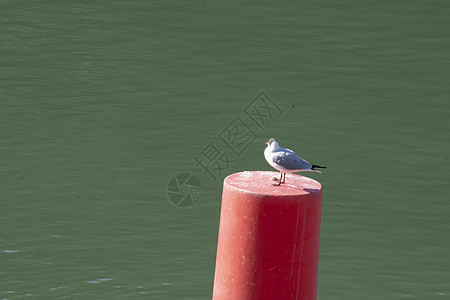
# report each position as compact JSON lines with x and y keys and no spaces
{"x":289,"y":160}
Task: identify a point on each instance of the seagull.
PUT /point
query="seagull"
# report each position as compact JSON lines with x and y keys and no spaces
{"x":286,"y":161}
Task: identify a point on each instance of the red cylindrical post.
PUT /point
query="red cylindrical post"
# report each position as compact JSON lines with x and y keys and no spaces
{"x":268,"y":245}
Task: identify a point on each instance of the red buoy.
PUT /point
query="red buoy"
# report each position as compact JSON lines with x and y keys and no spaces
{"x":268,"y":245}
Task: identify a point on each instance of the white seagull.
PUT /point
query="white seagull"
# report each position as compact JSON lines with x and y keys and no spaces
{"x":286,"y":161}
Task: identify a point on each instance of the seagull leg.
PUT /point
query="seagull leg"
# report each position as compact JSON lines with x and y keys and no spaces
{"x":284,"y":177}
{"x":279,"y":181}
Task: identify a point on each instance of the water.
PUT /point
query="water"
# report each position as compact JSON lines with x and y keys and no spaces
{"x":102,"y":103}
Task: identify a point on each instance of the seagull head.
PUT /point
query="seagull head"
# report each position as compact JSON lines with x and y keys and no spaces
{"x":271,"y":142}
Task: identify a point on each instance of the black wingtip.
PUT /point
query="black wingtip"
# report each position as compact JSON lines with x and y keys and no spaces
{"x":318,"y":167}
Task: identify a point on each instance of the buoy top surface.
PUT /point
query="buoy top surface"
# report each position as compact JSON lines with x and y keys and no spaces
{"x":261,"y":183}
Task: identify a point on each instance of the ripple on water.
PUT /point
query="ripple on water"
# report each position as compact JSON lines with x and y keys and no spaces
{"x":99,"y":280}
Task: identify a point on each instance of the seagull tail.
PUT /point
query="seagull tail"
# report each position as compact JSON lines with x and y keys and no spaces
{"x":314,"y":167}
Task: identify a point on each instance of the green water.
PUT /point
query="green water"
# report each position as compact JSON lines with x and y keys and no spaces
{"x":102,"y":103}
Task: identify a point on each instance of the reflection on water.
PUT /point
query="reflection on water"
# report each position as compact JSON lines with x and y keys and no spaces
{"x":60,"y":291}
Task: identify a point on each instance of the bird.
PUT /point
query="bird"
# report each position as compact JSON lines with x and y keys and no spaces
{"x":286,"y":161}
